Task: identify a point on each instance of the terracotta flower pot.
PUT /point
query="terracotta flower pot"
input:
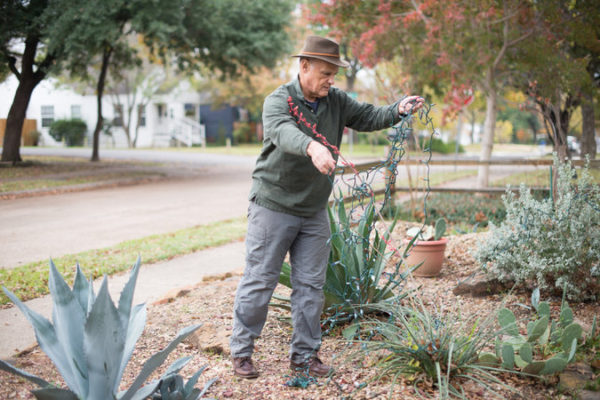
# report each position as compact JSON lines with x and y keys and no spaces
{"x":430,"y":252}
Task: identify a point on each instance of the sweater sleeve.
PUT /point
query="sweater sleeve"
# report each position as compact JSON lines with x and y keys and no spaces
{"x":280,"y":127}
{"x":366,"y":117}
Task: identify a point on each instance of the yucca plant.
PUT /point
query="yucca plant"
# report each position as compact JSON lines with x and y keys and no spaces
{"x":90,"y":341}
{"x":355,"y":271}
{"x":423,"y":346}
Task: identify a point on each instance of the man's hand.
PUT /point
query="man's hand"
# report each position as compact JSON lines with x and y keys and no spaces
{"x":321,"y":157}
{"x":410,"y":104}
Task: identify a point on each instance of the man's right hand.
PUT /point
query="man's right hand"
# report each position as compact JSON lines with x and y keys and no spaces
{"x":321,"y":157}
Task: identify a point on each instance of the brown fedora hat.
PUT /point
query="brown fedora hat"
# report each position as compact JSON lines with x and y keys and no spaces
{"x":322,"y":49}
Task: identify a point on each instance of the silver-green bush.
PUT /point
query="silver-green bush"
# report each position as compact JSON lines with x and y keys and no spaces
{"x":550,"y":243}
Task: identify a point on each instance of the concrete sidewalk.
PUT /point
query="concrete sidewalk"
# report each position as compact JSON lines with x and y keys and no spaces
{"x":154,"y":282}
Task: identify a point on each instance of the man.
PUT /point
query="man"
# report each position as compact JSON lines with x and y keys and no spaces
{"x":292,"y":182}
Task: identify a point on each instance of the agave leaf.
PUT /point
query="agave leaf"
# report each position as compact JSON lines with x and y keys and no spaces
{"x":69,"y":319}
{"x":155,"y":361}
{"x":134,"y":330}
{"x":194,"y":394}
{"x":206,"y":386}
{"x":91,"y":297}
{"x":45,"y":335}
{"x":17,"y":371}
{"x":144,"y":392}
{"x":104,"y":342}
{"x":54,"y":394}
{"x":126,"y":298}
{"x":189,"y":386}
{"x":80,"y":289}
{"x":177,"y":366}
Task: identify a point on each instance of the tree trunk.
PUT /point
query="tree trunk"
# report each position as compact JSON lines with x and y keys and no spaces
{"x":473,"y":126}
{"x":489,"y":126}
{"x":588,"y":137}
{"x":28,"y":80}
{"x":99,"y":92}
{"x":14,"y":123}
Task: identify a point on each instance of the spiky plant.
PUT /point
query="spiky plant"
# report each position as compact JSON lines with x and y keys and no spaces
{"x":355,"y":278}
{"x":423,"y":346}
{"x":90,"y":341}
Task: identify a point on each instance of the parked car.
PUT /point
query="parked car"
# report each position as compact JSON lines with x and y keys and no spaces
{"x":573,"y":145}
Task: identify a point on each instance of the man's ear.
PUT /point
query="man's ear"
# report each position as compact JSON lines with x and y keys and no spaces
{"x":304,"y":64}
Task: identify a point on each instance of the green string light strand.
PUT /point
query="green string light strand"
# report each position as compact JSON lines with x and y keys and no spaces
{"x":357,"y":190}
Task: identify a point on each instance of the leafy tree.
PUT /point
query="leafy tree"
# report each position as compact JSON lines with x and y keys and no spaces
{"x":222,"y":35}
{"x":25,"y":44}
{"x":567,"y":41}
{"x":134,"y":87}
{"x":449,"y":46}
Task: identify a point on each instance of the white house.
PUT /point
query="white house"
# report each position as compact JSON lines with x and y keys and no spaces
{"x":167,"y":119}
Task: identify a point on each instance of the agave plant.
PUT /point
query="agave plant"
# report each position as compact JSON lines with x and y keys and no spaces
{"x":90,"y":341}
{"x":355,"y":269}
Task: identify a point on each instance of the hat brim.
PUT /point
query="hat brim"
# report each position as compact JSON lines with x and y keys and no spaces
{"x":331,"y":60}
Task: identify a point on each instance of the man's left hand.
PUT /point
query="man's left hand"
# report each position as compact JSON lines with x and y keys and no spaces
{"x":410,"y":104}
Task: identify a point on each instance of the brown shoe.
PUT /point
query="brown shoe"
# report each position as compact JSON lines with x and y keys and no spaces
{"x":243,"y":367}
{"x":313,"y":366}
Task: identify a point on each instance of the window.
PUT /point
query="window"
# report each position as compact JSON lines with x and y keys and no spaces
{"x":142,"y":114}
{"x":189,"y":110}
{"x":47,"y":116}
{"x":76,"y":111}
{"x":118,"y":115}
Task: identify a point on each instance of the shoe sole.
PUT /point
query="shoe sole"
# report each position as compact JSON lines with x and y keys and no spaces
{"x":253,"y":376}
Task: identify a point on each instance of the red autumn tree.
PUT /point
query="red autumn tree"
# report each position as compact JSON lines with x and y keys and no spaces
{"x":450,"y":46}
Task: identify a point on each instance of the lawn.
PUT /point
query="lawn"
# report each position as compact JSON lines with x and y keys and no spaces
{"x":41,"y":172}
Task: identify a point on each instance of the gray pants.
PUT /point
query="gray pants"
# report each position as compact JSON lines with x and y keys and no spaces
{"x":270,"y":236}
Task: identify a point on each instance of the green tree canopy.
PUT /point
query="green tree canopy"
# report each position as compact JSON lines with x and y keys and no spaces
{"x":223,"y":35}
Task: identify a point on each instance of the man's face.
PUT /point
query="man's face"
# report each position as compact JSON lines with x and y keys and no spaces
{"x":316,"y":77}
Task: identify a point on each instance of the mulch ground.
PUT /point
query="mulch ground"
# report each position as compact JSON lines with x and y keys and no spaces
{"x":211,"y":303}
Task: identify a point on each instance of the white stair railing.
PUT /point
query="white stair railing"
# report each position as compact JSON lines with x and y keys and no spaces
{"x":188,"y":131}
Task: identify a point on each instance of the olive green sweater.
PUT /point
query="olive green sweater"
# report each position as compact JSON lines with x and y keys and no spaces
{"x":285,"y":178}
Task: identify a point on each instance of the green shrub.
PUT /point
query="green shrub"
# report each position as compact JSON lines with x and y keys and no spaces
{"x":373,"y":138}
{"x":71,"y":130}
{"x":91,"y":341}
{"x":243,"y":133}
{"x":457,"y":209}
{"x":438,"y":146}
{"x":549,"y":243}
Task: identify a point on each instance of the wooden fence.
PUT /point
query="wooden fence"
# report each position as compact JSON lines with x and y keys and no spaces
{"x":28,"y":138}
{"x":456,"y":162}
